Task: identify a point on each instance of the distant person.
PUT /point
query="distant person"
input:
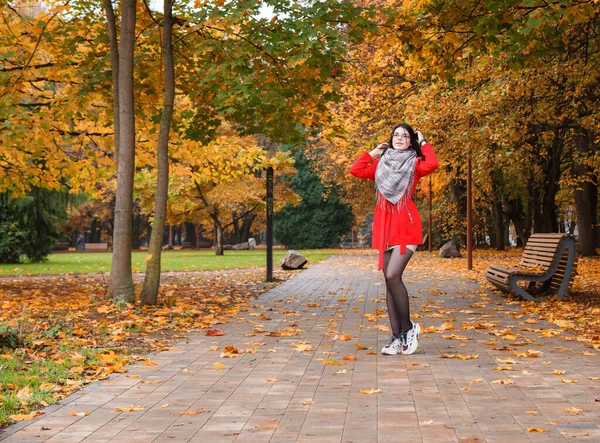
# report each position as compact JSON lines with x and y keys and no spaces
{"x":80,"y":243}
{"x":396,"y":167}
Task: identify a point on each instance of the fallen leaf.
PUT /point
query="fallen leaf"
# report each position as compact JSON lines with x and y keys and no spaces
{"x":503,"y":382}
{"x":79,"y":414}
{"x":563,"y":380}
{"x":532,"y":429}
{"x":219,"y":365}
{"x":370,"y":391}
{"x":149,"y":362}
{"x":130,"y":408}
{"x":164,"y":405}
{"x":573,"y":410}
{"x":558,"y":372}
{"x":271,"y":426}
{"x":333,"y":362}
{"x":340,"y":372}
{"x":308,"y":403}
{"x":21,"y":417}
{"x":360,"y":347}
{"x":532,"y":412}
{"x":273,"y":380}
{"x":215,"y":332}
{"x":349,"y":357}
{"x":192,"y":412}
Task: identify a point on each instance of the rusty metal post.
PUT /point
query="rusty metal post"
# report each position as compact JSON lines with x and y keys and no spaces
{"x":429,"y":233}
{"x":269,"y":224}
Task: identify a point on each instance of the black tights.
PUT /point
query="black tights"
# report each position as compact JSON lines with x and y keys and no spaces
{"x":396,"y":294}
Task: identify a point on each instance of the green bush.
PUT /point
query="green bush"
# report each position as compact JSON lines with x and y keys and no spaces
{"x":12,"y":239}
{"x":319,"y":220}
{"x":31,"y":225}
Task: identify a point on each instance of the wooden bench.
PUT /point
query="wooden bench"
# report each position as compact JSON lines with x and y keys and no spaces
{"x":549,"y":259}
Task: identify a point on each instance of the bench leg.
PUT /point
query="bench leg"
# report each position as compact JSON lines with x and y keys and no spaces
{"x":569,"y":244}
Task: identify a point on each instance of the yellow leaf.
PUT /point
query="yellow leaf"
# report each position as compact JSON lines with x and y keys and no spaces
{"x":164,"y":405}
{"x":503,"y":368}
{"x":130,"y":408}
{"x":503,"y":382}
{"x":308,"y":403}
{"x":532,"y":412}
{"x":370,"y":391}
{"x":79,"y":414}
{"x":532,"y":429}
{"x":568,"y":381}
{"x":557,"y":372}
{"x":273,"y":380}
{"x":192,"y":412}
{"x":149,"y":362}
{"x":21,"y":417}
{"x":331,"y":361}
{"x":148,"y":257}
{"x":360,"y":347}
{"x":340,"y":372}
{"x":219,"y":365}
{"x":573,"y":410}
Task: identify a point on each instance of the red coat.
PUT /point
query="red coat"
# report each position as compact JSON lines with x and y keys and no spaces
{"x":399,"y":227}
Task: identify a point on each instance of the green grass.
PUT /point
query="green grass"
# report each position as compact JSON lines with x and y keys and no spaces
{"x":18,"y":371}
{"x":84,"y":263}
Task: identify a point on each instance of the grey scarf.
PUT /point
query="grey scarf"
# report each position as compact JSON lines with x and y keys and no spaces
{"x":395,"y":174}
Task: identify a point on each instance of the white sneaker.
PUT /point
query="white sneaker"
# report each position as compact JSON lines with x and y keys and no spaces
{"x":392,"y":347}
{"x":411,"y":344}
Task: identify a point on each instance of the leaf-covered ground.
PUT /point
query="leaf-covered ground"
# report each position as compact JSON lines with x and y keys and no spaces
{"x":58,"y":334}
{"x":579,"y":312}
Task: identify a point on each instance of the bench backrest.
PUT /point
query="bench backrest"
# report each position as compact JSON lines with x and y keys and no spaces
{"x":540,"y":252}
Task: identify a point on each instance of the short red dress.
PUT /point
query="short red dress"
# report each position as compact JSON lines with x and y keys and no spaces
{"x":391,"y":227}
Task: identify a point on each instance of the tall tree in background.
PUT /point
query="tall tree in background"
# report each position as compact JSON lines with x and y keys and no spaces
{"x":152,"y":278}
{"x":121,"y":277}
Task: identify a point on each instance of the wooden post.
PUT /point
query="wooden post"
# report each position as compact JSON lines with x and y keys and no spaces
{"x":269,"y":224}
{"x":429,"y":231}
{"x":469,"y":191}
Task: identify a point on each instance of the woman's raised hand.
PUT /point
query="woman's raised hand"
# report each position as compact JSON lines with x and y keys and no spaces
{"x":376,"y":153}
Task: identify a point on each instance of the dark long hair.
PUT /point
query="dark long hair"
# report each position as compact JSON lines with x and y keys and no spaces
{"x":414,"y":142}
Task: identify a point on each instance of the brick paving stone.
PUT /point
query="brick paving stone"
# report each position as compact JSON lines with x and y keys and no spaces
{"x":422,"y":397}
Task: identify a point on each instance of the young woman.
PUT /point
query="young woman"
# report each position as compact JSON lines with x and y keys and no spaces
{"x":396,"y":168}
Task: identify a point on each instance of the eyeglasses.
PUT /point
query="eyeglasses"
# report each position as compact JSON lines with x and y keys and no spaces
{"x":404,"y":136}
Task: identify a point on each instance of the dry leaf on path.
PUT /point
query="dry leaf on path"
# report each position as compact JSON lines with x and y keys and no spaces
{"x":130,"y":408}
{"x":532,"y":429}
{"x":215,"y":332}
{"x":370,"y":391}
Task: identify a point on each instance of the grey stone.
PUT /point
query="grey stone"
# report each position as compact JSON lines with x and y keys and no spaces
{"x":240,"y":246}
{"x":450,"y":249}
{"x":293,"y":260}
{"x":251,"y":243}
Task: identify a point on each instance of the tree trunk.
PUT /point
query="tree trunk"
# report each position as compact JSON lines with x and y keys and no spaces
{"x":218,"y":237}
{"x":114,"y":62}
{"x":152,"y":278}
{"x":497,"y":213}
{"x":121,"y":278}
{"x":586,"y":198}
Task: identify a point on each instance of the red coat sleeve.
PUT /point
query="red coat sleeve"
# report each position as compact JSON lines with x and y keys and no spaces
{"x":364,"y":167}
{"x":427,"y":165}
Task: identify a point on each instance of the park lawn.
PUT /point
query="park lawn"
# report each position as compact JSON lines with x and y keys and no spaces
{"x":92,"y":262}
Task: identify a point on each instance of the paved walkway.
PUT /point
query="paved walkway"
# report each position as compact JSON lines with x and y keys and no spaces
{"x":281,"y":390}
